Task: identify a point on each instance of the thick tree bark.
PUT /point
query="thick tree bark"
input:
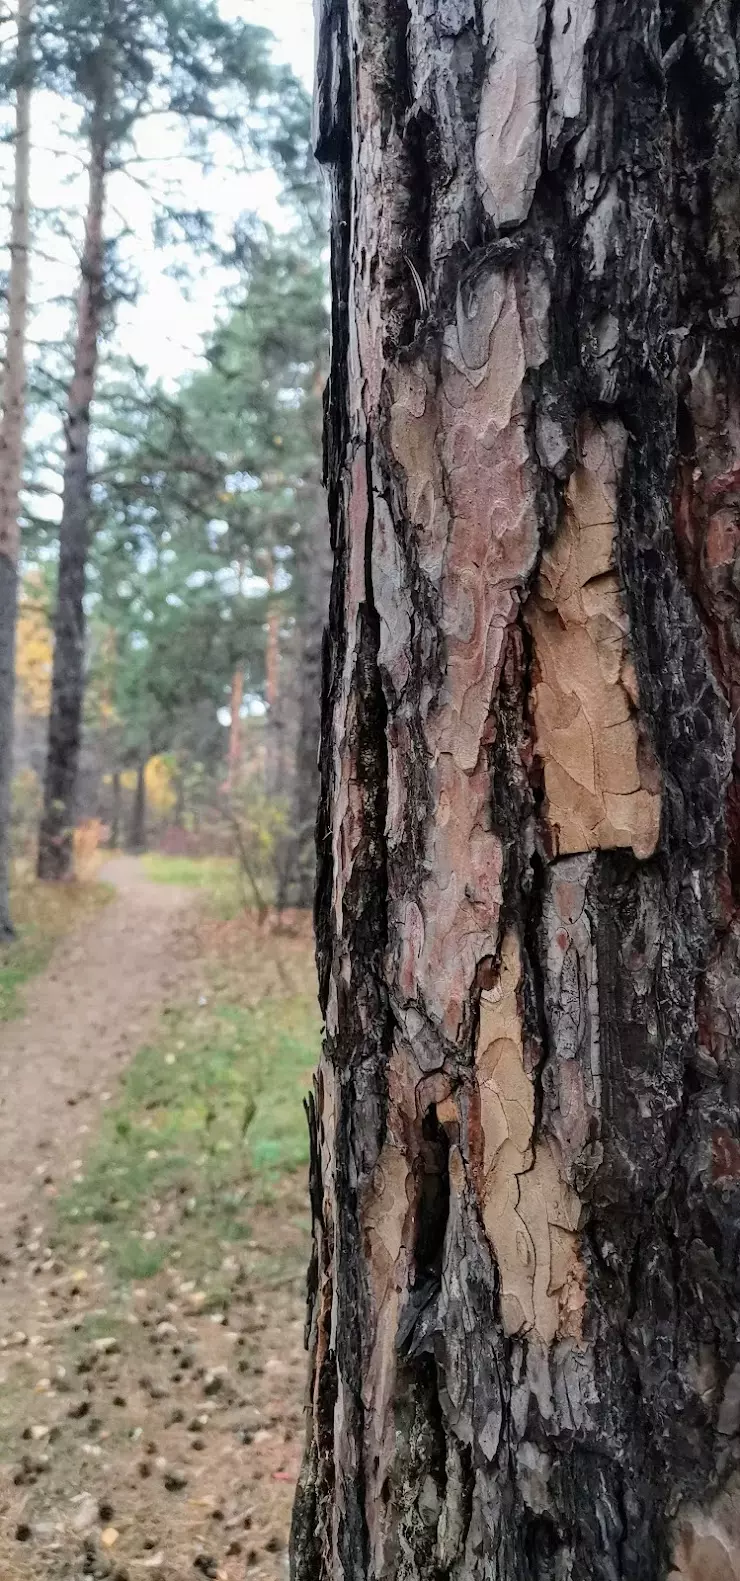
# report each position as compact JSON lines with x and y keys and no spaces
{"x":137,"y":830}
{"x":12,"y":426}
{"x":299,"y":868}
{"x":524,"y":1301}
{"x":68,"y":677}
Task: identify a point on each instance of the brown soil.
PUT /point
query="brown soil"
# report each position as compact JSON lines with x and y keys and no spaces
{"x":141,"y":1432}
{"x":84,"y":1015}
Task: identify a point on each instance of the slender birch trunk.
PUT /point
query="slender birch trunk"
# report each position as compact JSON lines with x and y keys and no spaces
{"x":68,"y":678}
{"x":12,"y":426}
{"x":524,"y":1300}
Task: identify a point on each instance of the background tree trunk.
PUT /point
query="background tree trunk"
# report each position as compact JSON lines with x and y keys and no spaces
{"x":178,"y":816}
{"x":67,"y":690}
{"x":115,"y":823}
{"x":235,"y":729}
{"x":275,"y":724}
{"x":137,"y":831}
{"x":11,"y":441}
{"x":524,"y":1301}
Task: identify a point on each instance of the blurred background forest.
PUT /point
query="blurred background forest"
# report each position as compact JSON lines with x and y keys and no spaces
{"x":164,"y":547}
{"x":173,"y":556}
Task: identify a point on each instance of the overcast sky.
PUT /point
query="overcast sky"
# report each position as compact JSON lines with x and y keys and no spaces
{"x":163,"y":329}
{"x":292,"y":23}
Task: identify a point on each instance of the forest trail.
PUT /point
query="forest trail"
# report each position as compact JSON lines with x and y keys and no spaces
{"x":151,"y":1351}
{"x":83,"y":1016}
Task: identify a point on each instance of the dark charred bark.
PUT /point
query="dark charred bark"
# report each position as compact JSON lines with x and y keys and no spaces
{"x":68,"y":676}
{"x":524,"y":1301}
{"x":299,"y":867}
{"x":11,"y":442}
{"x":137,"y":830}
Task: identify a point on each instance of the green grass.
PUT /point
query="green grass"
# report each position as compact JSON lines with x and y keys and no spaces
{"x":42,"y":914}
{"x":209,"y":1120}
{"x":217,"y":876}
{"x":19,"y":961}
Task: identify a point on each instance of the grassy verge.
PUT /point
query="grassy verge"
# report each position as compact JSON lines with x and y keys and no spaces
{"x":217,"y":876}
{"x":42,"y":913}
{"x":209,"y":1124}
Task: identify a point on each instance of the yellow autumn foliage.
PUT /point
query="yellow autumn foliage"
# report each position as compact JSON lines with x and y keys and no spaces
{"x":160,"y":784}
{"x":34,"y":651}
{"x":88,"y":838}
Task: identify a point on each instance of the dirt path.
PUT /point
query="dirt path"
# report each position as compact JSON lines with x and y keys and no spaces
{"x":84,"y":1014}
{"x":151,"y":1427}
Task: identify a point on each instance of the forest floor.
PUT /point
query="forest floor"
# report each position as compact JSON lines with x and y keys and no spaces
{"x":153,"y":1199}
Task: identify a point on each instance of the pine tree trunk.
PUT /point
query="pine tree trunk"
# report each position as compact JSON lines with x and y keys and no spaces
{"x":115,"y":826}
{"x":137,"y":831}
{"x":11,"y":441}
{"x":235,"y":729}
{"x":273,"y":732}
{"x":315,"y":575}
{"x":68,"y":677}
{"x":179,"y":812}
{"x":524,"y":1299}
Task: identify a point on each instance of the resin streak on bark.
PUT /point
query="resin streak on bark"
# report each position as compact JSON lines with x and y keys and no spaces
{"x":524,"y":1300}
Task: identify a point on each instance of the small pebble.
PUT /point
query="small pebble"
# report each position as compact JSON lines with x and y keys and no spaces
{"x":175,"y":1481}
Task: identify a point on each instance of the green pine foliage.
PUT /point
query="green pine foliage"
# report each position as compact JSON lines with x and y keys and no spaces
{"x":199,"y":496}
{"x":196,"y":497}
